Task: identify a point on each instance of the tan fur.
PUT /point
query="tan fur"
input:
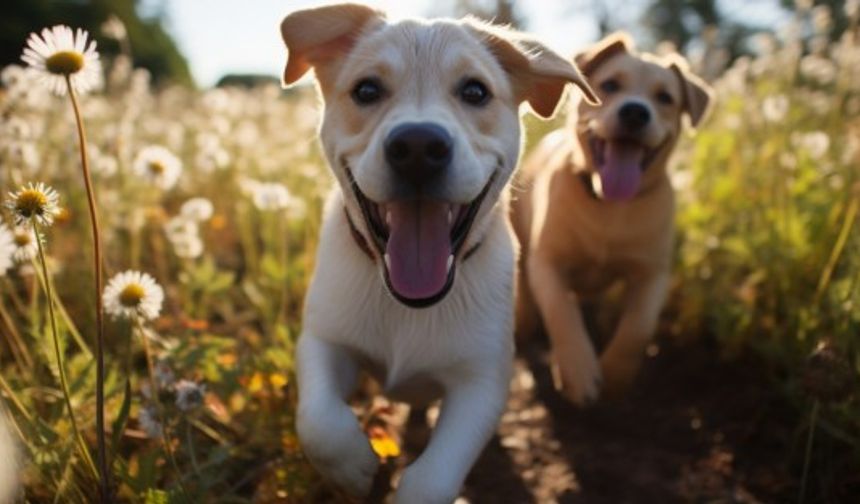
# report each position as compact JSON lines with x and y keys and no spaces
{"x":574,"y":246}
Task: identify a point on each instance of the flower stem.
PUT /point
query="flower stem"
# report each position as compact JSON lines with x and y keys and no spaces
{"x":813,"y":420}
{"x":104,"y":479}
{"x":190,"y":438}
{"x":64,"y":385}
{"x":159,"y":408}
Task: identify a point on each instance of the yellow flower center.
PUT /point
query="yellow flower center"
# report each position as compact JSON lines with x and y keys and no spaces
{"x":132,"y":295}
{"x":22,"y":239}
{"x":65,"y":62}
{"x":156,"y":167}
{"x":30,"y":202}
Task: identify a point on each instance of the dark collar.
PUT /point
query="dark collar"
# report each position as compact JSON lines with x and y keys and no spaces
{"x":365,"y":247}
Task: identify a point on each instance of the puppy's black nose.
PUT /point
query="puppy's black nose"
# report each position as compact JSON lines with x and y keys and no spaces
{"x":634,"y":116}
{"x":419,"y":151}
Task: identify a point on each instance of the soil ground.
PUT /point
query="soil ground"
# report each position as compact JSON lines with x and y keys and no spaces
{"x":695,"y":428}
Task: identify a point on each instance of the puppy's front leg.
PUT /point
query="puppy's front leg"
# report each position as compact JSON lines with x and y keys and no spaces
{"x":576,"y":369}
{"x":328,"y":429}
{"x":469,"y":415}
{"x":642,"y":304}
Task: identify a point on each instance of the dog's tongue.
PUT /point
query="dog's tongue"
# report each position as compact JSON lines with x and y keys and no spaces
{"x":621,"y":170}
{"x":418,"y":247}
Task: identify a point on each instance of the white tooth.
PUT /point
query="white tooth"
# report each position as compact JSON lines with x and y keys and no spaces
{"x":450,"y":216}
{"x":387,"y":261}
{"x":388,"y":218}
{"x":450,"y":263}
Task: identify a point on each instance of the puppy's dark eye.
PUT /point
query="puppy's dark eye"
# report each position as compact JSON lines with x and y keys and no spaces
{"x":610,"y":86}
{"x":474,"y":92}
{"x":665,"y":98}
{"x":367,"y":91}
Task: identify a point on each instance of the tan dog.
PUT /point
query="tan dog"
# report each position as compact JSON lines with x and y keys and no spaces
{"x":414,"y":280}
{"x":599,"y":209}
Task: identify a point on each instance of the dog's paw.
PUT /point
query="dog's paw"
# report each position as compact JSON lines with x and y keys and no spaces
{"x":419,"y":485}
{"x":619,"y":370}
{"x":336,"y":446}
{"x":577,"y":375}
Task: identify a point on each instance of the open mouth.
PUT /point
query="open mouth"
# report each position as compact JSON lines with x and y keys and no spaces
{"x":620,"y":163}
{"x":419,"y":241}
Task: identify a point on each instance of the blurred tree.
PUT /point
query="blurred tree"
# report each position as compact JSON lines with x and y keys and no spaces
{"x":246,"y":80}
{"x":151,"y":46}
{"x":838,"y":17}
{"x":683,"y":22}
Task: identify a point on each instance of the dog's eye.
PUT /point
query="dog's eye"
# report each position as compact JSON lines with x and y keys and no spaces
{"x":665,"y":98}
{"x":474,"y":92}
{"x":610,"y":86}
{"x":367,"y":91}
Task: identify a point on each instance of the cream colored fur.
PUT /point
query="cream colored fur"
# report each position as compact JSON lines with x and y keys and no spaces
{"x":459,"y":349}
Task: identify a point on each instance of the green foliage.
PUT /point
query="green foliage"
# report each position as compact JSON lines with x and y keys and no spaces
{"x":769,"y":254}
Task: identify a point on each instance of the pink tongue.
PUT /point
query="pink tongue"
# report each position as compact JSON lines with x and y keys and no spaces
{"x":418,"y":247}
{"x":621,"y":170}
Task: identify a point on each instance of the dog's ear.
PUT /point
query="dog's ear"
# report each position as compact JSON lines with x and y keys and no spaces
{"x":539,"y":75}
{"x":698,"y":95}
{"x":596,"y":55}
{"x":322,"y":35}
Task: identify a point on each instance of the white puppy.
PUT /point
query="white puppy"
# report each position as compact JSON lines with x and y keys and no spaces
{"x":8,"y":462}
{"x":414,"y":276}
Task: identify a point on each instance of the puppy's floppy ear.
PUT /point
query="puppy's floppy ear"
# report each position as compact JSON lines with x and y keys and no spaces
{"x":539,"y":74}
{"x":321,"y":35}
{"x":697,"y":93}
{"x":596,"y":55}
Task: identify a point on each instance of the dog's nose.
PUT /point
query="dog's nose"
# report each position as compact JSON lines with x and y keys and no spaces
{"x":419,"y":151}
{"x":634,"y":116}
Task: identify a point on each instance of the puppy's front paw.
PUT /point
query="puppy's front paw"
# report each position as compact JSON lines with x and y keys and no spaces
{"x":577,"y":374}
{"x":336,"y":446}
{"x":421,"y":485}
{"x":620,"y":367}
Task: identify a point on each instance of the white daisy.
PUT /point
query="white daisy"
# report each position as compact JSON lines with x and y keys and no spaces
{"x":60,"y":53}
{"x":34,"y":201}
{"x":133,"y":294}
{"x":7,"y":249}
{"x":158,"y":165}
{"x":270,"y":196}
{"x":180,"y":228}
{"x":189,"y":395}
{"x":26,"y":246}
{"x":189,"y":247}
{"x":197,"y":209}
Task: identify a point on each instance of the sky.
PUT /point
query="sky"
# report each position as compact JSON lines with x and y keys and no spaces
{"x":242,"y":36}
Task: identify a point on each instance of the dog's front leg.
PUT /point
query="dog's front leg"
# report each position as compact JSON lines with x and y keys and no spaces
{"x":469,"y":415}
{"x":328,"y":429}
{"x":642,"y":304}
{"x":576,"y":370}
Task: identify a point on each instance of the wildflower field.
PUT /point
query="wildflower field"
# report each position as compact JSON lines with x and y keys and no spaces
{"x":208,"y":206}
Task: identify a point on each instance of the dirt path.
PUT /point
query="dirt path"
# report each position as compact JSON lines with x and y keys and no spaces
{"x":695,"y":428}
